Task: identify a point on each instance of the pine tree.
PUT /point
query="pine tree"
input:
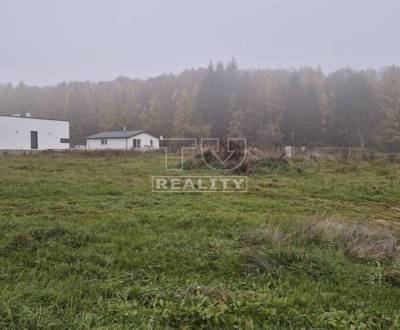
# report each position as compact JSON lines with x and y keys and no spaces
{"x":236,"y":125}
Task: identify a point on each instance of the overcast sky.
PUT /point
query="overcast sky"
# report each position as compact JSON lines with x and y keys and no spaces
{"x":44,"y":42}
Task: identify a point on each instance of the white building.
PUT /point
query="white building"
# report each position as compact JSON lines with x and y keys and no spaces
{"x":122,"y":140}
{"x":25,"y":133}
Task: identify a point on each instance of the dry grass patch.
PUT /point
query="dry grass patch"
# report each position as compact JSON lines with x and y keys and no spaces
{"x":267,"y":235}
{"x":392,"y":276}
{"x":363,"y":241}
{"x":275,"y":251}
{"x":20,"y":242}
{"x":359,"y":240}
{"x":215,"y":293}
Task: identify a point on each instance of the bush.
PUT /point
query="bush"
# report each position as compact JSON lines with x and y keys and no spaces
{"x":249,"y":162}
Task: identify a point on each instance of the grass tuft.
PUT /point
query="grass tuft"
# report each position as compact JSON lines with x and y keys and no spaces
{"x":303,"y":249}
{"x":360,"y":240}
{"x":392,"y":276}
{"x":20,"y":242}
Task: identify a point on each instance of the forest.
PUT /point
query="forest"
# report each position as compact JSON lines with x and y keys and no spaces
{"x":272,"y":107}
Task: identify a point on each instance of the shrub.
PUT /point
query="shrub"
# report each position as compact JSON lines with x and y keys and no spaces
{"x":249,"y":163}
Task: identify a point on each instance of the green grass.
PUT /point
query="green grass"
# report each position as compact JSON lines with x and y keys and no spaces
{"x":84,"y":244}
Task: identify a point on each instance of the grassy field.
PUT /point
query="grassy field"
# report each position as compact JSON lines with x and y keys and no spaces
{"x":84,"y":244}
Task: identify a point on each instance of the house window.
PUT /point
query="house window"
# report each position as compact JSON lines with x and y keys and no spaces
{"x":151,"y":143}
{"x":136,"y":143}
{"x":104,"y":142}
{"x":64,"y":140}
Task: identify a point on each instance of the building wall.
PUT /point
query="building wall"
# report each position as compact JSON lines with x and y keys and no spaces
{"x":15,"y":133}
{"x":123,"y":144}
{"x":145,"y":141}
{"x":112,"y":144}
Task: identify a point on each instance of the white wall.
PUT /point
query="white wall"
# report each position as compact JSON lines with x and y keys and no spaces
{"x":112,"y":144}
{"x":145,"y":141}
{"x":15,"y":133}
{"x":123,"y":144}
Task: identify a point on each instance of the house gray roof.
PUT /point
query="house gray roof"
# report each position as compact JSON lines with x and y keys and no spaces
{"x":114,"y":135}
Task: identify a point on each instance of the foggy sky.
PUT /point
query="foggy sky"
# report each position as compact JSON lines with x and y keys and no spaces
{"x":44,"y":42}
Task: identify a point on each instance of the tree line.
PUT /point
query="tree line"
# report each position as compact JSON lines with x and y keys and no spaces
{"x":303,"y":107}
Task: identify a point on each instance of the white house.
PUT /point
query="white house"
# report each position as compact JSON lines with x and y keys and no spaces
{"x":26,"y":133}
{"x":122,"y":140}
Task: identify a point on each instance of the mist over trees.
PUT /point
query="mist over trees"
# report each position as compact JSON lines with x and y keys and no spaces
{"x":305,"y":107}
